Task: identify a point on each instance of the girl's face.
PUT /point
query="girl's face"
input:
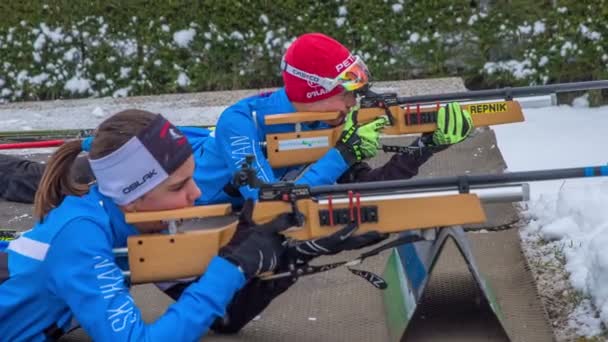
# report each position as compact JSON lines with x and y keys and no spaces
{"x":177,"y":191}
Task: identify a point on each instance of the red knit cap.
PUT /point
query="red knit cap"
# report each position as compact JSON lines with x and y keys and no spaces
{"x":318,"y":54}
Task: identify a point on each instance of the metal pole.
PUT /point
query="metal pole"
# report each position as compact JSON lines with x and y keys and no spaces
{"x":490,"y":194}
{"x":464,"y":181}
{"x":506,"y":92}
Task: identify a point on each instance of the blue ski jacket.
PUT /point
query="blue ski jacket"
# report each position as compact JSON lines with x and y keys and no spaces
{"x":239,"y":132}
{"x":63,"y":271}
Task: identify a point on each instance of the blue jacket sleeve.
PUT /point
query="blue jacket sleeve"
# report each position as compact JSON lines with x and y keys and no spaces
{"x":237,"y":137}
{"x":326,"y":170}
{"x":83,"y":273}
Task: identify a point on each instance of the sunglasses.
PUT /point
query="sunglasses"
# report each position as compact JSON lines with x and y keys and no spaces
{"x":355,"y":76}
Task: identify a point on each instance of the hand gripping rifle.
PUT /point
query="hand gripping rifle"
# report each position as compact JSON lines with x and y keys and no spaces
{"x":407,"y":115}
{"x":387,"y":206}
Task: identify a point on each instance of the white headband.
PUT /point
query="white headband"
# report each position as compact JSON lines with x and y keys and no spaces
{"x":128,"y":173}
{"x":142,"y":163}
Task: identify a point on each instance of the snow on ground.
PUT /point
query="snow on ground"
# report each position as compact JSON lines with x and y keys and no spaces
{"x":568,"y":219}
{"x":89,"y":114}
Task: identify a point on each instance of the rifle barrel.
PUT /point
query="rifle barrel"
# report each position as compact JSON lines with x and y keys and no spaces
{"x":507,"y":92}
{"x":465,"y":181}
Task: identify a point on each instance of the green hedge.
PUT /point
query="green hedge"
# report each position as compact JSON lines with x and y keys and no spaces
{"x":64,"y":49}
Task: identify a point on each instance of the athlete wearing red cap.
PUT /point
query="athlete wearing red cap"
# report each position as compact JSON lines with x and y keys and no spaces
{"x":320,"y":75}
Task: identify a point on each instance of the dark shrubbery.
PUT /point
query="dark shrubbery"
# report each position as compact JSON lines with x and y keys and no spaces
{"x":64,"y":49}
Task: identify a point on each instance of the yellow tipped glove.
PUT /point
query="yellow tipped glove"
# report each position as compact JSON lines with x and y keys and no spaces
{"x":453,"y":125}
{"x":360,"y":142}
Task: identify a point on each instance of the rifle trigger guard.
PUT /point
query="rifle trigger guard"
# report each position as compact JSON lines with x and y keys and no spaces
{"x":297,"y":215}
{"x":382,"y":104}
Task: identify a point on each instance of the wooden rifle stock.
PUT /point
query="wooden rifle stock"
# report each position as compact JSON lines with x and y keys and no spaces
{"x":301,"y":147}
{"x":161,"y":257}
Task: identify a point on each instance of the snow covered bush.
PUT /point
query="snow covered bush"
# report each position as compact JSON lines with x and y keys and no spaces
{"x":66,"y":49}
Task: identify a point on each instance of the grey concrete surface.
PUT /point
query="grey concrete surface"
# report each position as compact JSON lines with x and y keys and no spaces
{"x":183,"y":109}
{"x":338,"y":306}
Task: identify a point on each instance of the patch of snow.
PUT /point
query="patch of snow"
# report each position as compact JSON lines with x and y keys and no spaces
{"x":98,"y":112}
{"x":472,"y":20}
{"x":122,"y":92}
{"x":589,"y":34}
{"x":397,"y":8}
{"x":236,"y":35}
{"x":264,"y":19}
{"x":414,"y":37}
{"x":39,"y":79}
{"x":342,"y":11}
{"x":568,"y":46}
{"x":39,"y":42}
{"x":183,"y":38}
{"x":539,"y":27}
{"x":519,"y":69}
{"x":78,"y":85}
{"x":183,"y":80}
{"x":126,"y":47}
{"x":55,"y":35}
{"x":584,"y":321}
{"x":524,"y":29}
{"x":572,"y":212}
{"x":340,"y":21}
{"x":125,"y":72}
{"x":581,"y":101}
{"x":70,"y":55}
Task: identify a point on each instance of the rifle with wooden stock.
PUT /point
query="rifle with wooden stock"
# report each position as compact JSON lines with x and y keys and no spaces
{"x":387,"y":206}
{"x":407,"y":115}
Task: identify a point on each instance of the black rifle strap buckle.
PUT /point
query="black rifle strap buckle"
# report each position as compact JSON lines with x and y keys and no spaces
{"x":463,"y":185}
{"x":297,"y":214}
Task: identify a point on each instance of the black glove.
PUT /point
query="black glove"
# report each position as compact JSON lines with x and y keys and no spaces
{"x":257,"y":249}
{"x":342,"y":240}
{"x":425,"y":145}
{"x":244,"y":227}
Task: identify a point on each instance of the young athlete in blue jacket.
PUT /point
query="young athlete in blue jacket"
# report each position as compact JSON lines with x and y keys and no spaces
{"x":63,"y":270}
{"x":320,"y":75}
